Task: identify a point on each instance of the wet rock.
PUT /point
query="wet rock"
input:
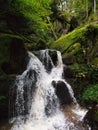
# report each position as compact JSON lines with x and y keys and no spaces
{"x":73,"y":116}
{"x":91,"y":117}
{"x":48,"y":58}
{"x":53,"y":55}
{"x":5,"y":125}
{"x":62,"y":92}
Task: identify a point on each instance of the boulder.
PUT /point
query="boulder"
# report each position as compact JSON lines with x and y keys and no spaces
{"x":62,"y":93}
{"x":91,"y":117}
{"x":48,"y":58}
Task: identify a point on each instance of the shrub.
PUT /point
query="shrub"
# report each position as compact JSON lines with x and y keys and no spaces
{"x":91,"y":93}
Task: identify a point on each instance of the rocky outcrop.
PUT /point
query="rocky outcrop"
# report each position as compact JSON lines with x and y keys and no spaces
{"x":91,"y":117}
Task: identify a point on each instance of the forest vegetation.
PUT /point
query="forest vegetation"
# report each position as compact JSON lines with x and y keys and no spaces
{"x":70,"y":26}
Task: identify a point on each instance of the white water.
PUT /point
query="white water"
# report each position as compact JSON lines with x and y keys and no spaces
{"x":44,"y":96}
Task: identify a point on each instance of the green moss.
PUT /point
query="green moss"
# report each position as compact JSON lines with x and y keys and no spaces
{"x":79,"y":35}
{"x":67,"y":40}
{"x":9,"y":36}
{"x":72,"y":50}
{"x":91,"y":93}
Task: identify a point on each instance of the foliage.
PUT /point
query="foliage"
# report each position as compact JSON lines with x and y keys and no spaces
{"x":88,"y":72}
{"x":84,"y":76}
{"x":91,"y":93}
{"x":25,"y":17}
{"x":35,"y":11}
{"x":2,"y":97}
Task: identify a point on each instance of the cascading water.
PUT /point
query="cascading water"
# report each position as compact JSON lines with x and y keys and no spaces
{"x":43,"y":99}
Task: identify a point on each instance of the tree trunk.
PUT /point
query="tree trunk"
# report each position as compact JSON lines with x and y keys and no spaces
{"x":86,"y":8}
{"x":94,"y":6}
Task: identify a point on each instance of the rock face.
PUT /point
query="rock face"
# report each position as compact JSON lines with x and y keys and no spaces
{"x":62,"y":93}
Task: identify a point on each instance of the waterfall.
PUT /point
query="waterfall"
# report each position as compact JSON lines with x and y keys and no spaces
{"x":43,"y":99}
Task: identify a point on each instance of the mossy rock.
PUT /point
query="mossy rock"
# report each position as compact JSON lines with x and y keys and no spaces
{"x":79,"y":35}
{"x":72,"y":50}
{"x":81,"y":43}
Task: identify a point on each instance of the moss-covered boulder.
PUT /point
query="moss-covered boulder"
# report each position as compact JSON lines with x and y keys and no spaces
{"x":80,"y":44}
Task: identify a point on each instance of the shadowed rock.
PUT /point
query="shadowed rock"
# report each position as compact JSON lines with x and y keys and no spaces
{"x":48,"y":58}
{"x":62,"y":92}
{"x":91,"y":117}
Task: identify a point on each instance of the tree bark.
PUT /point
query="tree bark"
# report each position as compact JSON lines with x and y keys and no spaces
{"x":94,"y":6}
{"x":86,"y":8}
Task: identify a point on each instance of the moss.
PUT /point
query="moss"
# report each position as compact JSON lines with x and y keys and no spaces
{"x":72,"y":50}
{"x":90,"y":95}
{"x":9,"y":36}
{"x":67,"y":40}
{"x":79,"y":35}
